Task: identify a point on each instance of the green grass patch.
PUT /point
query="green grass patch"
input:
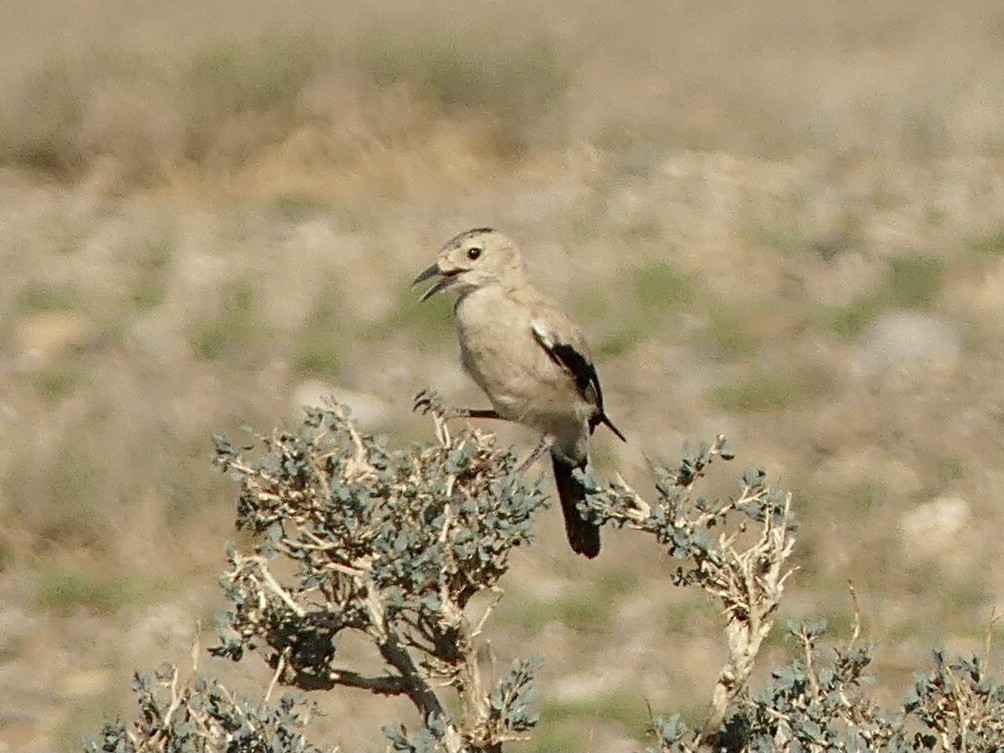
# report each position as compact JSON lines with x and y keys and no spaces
{"x":224,"y":333}
{"x":619,"y":342}
{"x":831,"y":499}
{"x":936,"y":215}
{"x":642,"y":230}
{"x":55,"y":382}
{"x":322,"y":338}
{"x":68,"y":234}
{"x":908,"y":629}
{"x":970,"y":595}
{"x":592,"y":305}
{"x":319,"y":357}
{"x":583,"y":611}
{"x":950,"y":468}
{"x":659,"y":286}
{"x":765,"y":392}
{"x":147,"y":296}
{"x":429,"y":323}
{"x":687,"y":617}
{"x":847,"y":322}
{"x":787,"y":241}
{"x":615,"y":582}
{"x":299,"y":207}
{"x":153,"y":261}
{"x":771,"y":391}
{"x":65,"y":591}
{"x":867,"y":495}
{"x":44,"y":297}
{"x":619,"y":708}
{"x":730,"y":333}
{"x":615,"y":327}
{"x":547,"y":738}
{"x":675,"y":621}
{"x":991,"y":245}
{"x":915,"y":280}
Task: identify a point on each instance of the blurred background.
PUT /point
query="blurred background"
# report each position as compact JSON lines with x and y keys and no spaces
{"x":779,"y":221}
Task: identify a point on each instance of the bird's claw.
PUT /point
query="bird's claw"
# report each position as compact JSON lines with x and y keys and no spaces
{"x":428,"y":401}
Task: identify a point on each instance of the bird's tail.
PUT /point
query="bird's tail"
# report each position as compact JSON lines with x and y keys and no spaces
{"x":583,"y":535}
{"x":601,"y":418}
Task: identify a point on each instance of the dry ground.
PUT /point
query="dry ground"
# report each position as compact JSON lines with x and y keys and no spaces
{"x":778,"y":222}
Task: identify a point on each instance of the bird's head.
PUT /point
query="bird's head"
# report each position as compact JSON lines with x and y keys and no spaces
{"x":473,"y":260}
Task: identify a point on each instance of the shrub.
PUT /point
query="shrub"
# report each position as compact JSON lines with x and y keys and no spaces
{"x":392,"y":545}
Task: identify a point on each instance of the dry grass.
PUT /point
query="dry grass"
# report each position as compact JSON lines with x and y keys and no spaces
{"x":310,"y":100}
{"x":220,"y":205}
{"x":322,"y":93}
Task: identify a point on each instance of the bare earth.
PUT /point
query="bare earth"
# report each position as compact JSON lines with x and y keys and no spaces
{"x":784,"y":226}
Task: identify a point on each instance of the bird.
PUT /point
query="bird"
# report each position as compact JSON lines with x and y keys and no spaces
{"x":528,"y":356}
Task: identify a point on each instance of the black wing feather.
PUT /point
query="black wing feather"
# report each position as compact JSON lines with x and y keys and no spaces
{"x":587,"y":381}
{"x":583,"y":371}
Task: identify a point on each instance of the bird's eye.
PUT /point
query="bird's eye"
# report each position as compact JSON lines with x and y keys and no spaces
{"x":473,"y":253}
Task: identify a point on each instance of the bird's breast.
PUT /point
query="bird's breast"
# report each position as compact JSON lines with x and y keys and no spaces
{"x":500,"y":353}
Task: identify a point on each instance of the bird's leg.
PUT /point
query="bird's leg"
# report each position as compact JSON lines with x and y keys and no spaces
{"x":428,"y":401}
{"x":542,"y":446}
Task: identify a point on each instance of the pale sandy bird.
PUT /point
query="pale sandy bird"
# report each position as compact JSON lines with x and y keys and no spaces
{"x":528,"y":356}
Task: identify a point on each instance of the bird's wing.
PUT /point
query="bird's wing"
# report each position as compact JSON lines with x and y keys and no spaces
{"x":574,"y":360}
{"x":569,"y":352}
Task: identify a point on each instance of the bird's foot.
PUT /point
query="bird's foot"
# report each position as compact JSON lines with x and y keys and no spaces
{"x":428,"y":401}
{"x":542,"y":446}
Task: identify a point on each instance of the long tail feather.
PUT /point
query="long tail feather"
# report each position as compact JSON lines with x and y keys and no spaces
{"x":583,"y":535}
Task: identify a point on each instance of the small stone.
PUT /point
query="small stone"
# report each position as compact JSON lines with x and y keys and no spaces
{"x":907,"y":350}
{"x":40,"y":337}
{"x":906,"y":337}
{"x":933,"y":529}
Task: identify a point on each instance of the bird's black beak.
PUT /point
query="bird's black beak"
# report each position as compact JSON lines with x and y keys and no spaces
{"x":443,"y":281}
